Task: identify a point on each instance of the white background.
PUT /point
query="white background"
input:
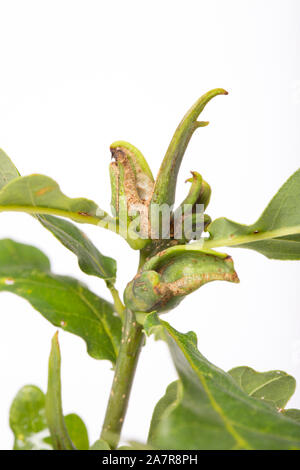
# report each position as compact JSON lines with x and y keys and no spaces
{"x":77,"y":75}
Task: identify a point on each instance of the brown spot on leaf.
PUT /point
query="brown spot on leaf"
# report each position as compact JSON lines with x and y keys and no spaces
{"x":84,"y":214}
{"x":43,"y":191}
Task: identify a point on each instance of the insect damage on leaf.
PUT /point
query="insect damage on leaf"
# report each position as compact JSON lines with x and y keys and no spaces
{"x":43,"y":191}
{"x":136,"y":177}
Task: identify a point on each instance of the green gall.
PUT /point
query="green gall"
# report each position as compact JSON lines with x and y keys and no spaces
{"x":165,"y":184}
{"x":163,"y":287}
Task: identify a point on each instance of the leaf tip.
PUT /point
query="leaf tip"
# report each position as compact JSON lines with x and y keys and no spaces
{"x":55,"y":341}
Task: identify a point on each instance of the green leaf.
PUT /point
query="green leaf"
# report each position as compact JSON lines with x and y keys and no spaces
{"x":8,"y":171}
{"x":151,"y":325}
{"x":39,"y":194}
{"x":54,"y":414}
{"x":275,"y":387}
{"x":77,"y":431}
{"x":292,"y":413}
{"x":100,"y":444}
{"x":90,"y":260}
{"x":210,"y":411}
{"x":166,"y":403}
{"x":28,"y":422}
{"x":165,"y":185}
{"x":134,"y":445}
{"x":19,"y":256}
{"x":62,"y":300}
{"x":276,"y":234}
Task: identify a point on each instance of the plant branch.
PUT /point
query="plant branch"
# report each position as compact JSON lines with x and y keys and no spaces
{"x":118,"y":304}
{"x":125,"y":369}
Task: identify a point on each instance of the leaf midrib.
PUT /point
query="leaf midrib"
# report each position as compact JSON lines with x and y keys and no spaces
{"x":259,"y":387}
{"x":102,"y":320}
{"x":93,"y":220}
{"x":254,"y":237}
{"x":80,"y":294}
{"x":228,"y":424}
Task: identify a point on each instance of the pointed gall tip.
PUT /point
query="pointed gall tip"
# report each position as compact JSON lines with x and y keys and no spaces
{"x":194,"y":175}
{"x":189,"y":180}
{"x":55,"y":338}
{"x":201,"y":123}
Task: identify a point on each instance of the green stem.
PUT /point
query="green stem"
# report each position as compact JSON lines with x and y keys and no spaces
{"x":143,"y":257}
{"x":125,"y":369}
{"x":118,"y":304}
